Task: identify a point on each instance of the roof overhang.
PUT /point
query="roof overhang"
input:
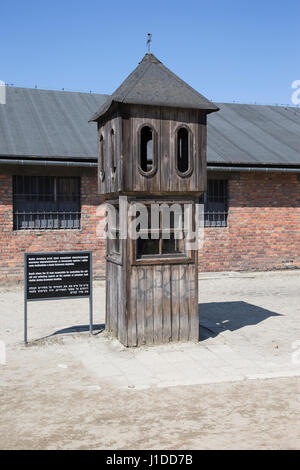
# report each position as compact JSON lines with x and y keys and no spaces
{"x":209,"y":108}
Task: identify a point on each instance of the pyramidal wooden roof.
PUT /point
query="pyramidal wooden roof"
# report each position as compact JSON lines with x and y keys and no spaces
{"x":151,"y":83}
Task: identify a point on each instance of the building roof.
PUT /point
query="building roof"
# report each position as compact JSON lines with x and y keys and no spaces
{"x":151,"y":83}
{"x":254,"y":135}
{"x":48,"y":124}
{"x":54,"y":124}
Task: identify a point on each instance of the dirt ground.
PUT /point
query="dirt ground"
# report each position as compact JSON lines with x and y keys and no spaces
{"x":53,"y":396}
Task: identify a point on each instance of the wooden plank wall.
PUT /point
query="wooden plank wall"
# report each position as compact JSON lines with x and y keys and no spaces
{"x":163,"y":304}
{"x":115,"y":321}
{"x":112,"y":182}
{"x":126,"y":123}
{"x":165,"y":121}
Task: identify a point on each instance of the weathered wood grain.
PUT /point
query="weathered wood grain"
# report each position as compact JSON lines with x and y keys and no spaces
{"x":164,"y":304}
{"x":157,"y":305}
{"x":175,"y":289}
{"x":151,"y":301}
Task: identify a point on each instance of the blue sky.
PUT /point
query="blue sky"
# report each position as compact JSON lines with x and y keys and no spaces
{"x":247,"y":51}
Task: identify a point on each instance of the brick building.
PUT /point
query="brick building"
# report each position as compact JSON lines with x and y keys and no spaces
{"x":48,"y":183}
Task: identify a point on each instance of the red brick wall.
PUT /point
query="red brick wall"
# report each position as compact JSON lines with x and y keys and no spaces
{"x":14,"y":243}
{"x":263,"y":229}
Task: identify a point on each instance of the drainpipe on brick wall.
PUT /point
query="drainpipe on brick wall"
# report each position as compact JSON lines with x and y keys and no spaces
{"x":47,"y":163}
{"x":229,"y":169}
{"x":249,"y":169}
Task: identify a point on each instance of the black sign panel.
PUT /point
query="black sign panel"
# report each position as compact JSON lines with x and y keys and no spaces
{"x":57,"y":275}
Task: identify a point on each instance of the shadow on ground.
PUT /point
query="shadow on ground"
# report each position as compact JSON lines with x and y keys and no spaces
{"x":97,"y":329}
{"x":216,"y":317}
{"x":80,"y":329}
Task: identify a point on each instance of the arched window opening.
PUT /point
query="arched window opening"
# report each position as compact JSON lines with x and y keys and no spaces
{"x":101,"y":157}
{"x":112,"y":150}
{"x":183,"y":150}
{"x":146,"y":149}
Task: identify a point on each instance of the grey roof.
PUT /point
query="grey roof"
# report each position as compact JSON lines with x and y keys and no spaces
{"x":54,"y":124}
{"x":254,"y":134}
{"x":151,"y":83}
{"x":47,"y":124}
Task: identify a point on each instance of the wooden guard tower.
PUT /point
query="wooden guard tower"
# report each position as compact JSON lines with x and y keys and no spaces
{"x":152,"y":149}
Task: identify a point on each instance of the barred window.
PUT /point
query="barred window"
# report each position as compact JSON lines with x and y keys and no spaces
{"x":215,"y":202}
{"x":46,"y":202}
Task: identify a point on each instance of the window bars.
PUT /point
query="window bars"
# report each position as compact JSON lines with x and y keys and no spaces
{"x":46,"y":202}
{"x":215,"y":202}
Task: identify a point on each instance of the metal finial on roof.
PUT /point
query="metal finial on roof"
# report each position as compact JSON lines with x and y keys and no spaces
{"x":149,"y":40}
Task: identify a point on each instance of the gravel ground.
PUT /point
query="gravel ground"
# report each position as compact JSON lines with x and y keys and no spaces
{"x":238,"y":388}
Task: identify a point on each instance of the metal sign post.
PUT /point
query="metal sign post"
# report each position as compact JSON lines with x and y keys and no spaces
{"x":56,"y":276}
{"x":91,"y":294}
